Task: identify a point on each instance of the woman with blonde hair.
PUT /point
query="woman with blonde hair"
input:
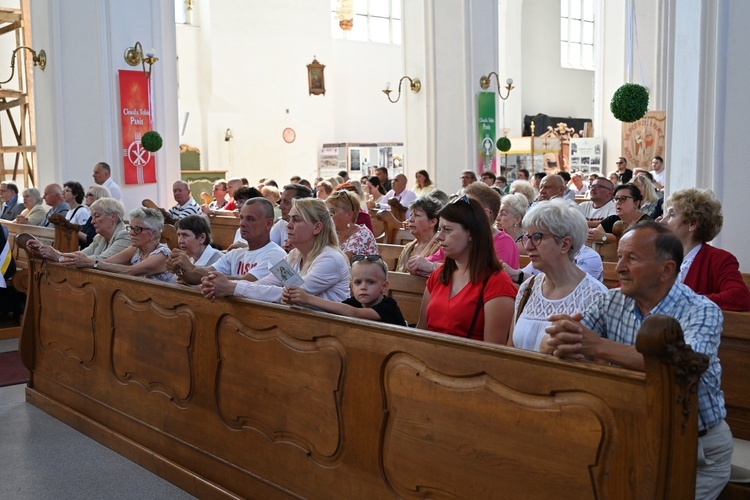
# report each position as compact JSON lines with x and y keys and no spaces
{"x":323,"y":190}
{"x":353,"y":239}
{"x":316,"y":257}
{"x":524,"y":188}
{"x":512,"y":209}
{"x":695,"y":217}
{"x":272,"y":194}
{"x":650,"y":204}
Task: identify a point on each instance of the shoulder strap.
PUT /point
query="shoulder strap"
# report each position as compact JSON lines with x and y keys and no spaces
{"x":480,"y":303}
{"x":525,"y":298}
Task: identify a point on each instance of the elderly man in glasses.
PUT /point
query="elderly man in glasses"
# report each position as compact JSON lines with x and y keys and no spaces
{"x":601,"y":205}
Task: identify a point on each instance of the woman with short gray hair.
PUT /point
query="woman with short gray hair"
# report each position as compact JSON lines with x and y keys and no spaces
{"x":146,"y":256}
{"x":34,"y":213}
{"x":555,"y":231}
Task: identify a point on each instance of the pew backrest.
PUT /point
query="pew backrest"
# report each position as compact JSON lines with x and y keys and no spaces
{"x":390,"y":254}
{"x":407,"y":290}
{"x":291,"y":402}
{"x":223,"y":228}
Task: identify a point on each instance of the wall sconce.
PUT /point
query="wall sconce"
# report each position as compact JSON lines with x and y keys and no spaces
{"x":134,"y":55}
{"x":414,"y":84}
{"x":39,"y":59}
{"x":484,"y":82}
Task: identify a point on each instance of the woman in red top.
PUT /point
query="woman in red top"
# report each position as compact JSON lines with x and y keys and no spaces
{"x":469,"y":295}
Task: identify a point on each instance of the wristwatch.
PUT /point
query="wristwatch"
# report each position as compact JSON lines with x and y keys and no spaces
{"x":604,"y":238}
{"x":96,"y":264}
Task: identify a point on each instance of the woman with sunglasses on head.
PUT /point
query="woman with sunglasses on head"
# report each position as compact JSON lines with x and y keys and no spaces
{"x":627,"y":209}
{"x":469,"y":295}
{"x":555,"y":231}
{"x":145,"y":257}
{"x":353,"y":238}
{"x":315,"y":256}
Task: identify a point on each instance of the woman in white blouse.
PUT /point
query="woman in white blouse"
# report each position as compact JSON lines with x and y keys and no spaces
{"x":73,"y":195}
{"x":554,"y":232}
{"x":316,"y":257}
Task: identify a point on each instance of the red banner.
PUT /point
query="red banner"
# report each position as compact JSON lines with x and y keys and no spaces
{"x":135,"y":106}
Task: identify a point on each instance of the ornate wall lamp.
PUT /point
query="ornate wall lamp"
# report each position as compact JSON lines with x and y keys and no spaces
{"x":484,"y":82}
{"x":39,"y":59}
{"x":414,"y":84}
{"x":134,"y":55}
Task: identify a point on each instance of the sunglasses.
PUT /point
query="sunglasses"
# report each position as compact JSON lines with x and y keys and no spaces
{"x":463,"y":198}
{"x":369,"y":258}
{"x":619,"y":163}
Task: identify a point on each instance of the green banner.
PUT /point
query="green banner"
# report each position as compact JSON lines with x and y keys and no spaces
{"x":486,"y":157}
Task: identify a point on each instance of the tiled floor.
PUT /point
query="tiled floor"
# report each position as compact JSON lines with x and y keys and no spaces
{"x":43,"y":458}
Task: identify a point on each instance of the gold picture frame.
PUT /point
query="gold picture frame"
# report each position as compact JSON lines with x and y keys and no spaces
{"x":315,"y":78}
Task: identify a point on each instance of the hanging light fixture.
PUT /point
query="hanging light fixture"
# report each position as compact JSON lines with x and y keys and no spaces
{"x":345,"y":14}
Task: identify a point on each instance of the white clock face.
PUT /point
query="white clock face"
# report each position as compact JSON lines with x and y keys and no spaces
{"x":289,"y":135}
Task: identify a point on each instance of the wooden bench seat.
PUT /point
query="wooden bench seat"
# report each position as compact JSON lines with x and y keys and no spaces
{"x":240,"y":398}
{"x":223,"y":228}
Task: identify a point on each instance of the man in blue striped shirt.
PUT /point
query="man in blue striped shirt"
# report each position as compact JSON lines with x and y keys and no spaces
{"x":649,"y":258}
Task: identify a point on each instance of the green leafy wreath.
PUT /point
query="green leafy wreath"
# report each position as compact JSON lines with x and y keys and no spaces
{"x":629,"y":103}
{"x":503,"y":144}
{"x":152,"y":141}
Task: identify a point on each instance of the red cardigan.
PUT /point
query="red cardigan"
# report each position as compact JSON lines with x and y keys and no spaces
{"x":715,"y":273}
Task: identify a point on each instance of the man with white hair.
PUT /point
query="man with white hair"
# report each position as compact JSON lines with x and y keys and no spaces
{"x":53,"y":196}
{"x":186,"y":205}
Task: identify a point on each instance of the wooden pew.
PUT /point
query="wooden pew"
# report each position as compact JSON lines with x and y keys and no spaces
{"x":390,"y":254}
{"x":394,"y":229}
{"x":378,"y":227}
{"x":407,"y":290}
{"x":63,"y":237}
{"x":240,"y":398}
{"x":223,"y":229}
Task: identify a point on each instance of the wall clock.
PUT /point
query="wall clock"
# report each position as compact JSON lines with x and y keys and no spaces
{"x":289,"y":135}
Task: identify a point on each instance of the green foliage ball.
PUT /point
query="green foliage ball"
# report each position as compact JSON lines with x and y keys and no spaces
{"x":629,"y":103}
{"x":152,"y":141}
{"x":503,"y":144}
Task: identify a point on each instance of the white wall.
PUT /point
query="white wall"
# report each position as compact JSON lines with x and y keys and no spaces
{"x":77,"y":98}
{"x":245,"y":68}
{"x":547,"y":87}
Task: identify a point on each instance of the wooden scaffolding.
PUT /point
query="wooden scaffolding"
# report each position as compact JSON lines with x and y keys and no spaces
{"x":17,"y":103}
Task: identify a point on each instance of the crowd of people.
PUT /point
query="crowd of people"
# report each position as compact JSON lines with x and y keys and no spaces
{"x":313,"y":245}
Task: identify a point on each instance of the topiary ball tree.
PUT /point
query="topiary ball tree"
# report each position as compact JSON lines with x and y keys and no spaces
{"x":503,"y":144}
{"x":629,"y":103}
{"x":152,"y":141}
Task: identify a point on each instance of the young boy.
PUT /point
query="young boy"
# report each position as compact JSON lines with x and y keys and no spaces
{"x":368,"y":301}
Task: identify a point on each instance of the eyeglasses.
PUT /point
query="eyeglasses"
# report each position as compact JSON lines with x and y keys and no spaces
{"x":135,"y":229}
{"x":619,"y":163}
{"x":536,"y":238}
{"x":621,"y":199}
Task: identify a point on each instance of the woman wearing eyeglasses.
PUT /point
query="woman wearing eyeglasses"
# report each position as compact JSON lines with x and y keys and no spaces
{"x":145,"y":257}
{"x":316,"y":257}
{"x":555,"y":231}
{"x":627,"y":209}
{"x":469,"y":295}
{"x":353,"y":238}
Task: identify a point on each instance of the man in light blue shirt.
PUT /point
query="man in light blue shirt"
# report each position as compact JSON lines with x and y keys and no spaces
{"x":649,"y":261}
